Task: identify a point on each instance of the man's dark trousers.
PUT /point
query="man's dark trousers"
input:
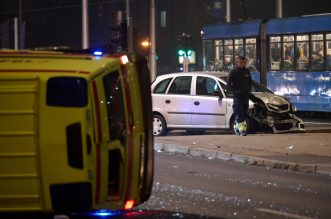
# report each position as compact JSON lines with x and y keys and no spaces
{"x":240,"y":108}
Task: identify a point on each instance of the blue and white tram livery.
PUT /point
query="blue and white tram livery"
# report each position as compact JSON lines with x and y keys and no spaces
{"x":291,"y":56}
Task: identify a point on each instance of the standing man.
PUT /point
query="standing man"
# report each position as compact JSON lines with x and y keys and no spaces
{"x":240,"y":82}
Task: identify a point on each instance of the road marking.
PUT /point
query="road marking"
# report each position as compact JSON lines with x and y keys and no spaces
{"x":282,"y":213}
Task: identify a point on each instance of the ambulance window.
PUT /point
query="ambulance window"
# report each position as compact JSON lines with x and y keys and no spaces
{"x":66,"y":92}
{"x":115,"y":105}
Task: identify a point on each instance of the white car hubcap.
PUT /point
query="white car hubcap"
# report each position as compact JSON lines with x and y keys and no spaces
{"x":157,"y":126}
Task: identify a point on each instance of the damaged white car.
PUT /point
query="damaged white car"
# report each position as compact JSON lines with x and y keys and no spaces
{"x":272,"y":112}
{"x":199,"y":101}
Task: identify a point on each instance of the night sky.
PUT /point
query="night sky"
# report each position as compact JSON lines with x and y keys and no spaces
{"x":58,"y":22}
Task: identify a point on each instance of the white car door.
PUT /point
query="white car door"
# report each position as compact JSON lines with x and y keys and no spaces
{"x":209,"y":106}
{"x":178,"y":102}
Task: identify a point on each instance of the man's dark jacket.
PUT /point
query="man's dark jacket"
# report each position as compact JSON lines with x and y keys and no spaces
{"x":240,"y":81}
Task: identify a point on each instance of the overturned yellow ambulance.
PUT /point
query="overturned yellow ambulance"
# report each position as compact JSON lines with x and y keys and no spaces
{"x":75,"y":132}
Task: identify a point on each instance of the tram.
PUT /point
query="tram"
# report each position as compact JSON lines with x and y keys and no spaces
{"x":291,"y":56}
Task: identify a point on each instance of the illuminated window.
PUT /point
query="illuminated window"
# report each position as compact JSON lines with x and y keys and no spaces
{"x":303,"y":52}
{"x":250,"y":51}
{"x":288,"y":53}
{"x":228,"y":54}
{"x":218,"y":63}
{"x":208,"y":54}
{"x":328,"y":51}
{"x":238,"y":47}
{"x":275,"y":53}
{"x":317,"y":51}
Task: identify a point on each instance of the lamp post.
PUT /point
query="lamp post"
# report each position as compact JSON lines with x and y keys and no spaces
{"x":152,"y":55}
{"x":85,"y":29}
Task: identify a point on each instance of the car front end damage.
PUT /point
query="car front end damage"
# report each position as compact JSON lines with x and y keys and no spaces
{"x":274,"y":112}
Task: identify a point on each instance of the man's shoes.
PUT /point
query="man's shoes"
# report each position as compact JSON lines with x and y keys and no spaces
{"x":236,"y":129}
{"x":240,"y":128}
{"x":242,"y":133}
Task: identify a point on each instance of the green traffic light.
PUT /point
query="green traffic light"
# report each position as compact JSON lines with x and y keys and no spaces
{"x":181,"y":52}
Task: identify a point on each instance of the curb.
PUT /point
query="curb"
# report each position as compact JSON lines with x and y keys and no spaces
{"x":246,"y":159}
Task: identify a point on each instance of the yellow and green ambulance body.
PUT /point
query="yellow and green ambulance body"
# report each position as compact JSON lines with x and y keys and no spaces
{"x":75,"y":132}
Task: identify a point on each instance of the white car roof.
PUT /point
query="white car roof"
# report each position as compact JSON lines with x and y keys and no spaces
{"x":199,"y":73}
{"x":216,"y":75}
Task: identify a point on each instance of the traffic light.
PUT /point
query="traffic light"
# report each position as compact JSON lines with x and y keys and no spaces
{"x":185,"y":53}
{"x":181,"y":52}
{"x":185,"y":48}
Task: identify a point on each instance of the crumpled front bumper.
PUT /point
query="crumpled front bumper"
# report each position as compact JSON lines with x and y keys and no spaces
{"x":278,"y":122}
{"x":293,"y":123}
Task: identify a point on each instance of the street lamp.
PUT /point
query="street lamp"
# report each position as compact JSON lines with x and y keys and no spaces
{"x":145,"y":44}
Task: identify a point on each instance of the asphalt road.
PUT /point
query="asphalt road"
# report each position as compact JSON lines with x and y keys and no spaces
{"x":216,"y":188}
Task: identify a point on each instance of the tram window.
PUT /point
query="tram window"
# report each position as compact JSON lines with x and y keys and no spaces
{"x":228,"y":54}
{"x":317,"y":54}
{"x":328,"y":51}
{"x":250,"y":50}
{"x":288,"y":53}
{"x":218,"y":55}
{"x":275,"y":53}
{"x":209,"y":59}
{"x":302,"y":52}
{"x":238,"y":47}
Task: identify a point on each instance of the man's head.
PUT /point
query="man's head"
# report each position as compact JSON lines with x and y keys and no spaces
{"x":241,"y":61}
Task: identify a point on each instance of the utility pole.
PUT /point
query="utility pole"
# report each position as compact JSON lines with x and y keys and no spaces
{"x":279,"y":8}
{"x":20,"y":27}
{"x":16,"y":33}
{"x":85,"y":29}
{"x":152,"y":55}
{"x":228,"y":11}
{"x":129,"y":27}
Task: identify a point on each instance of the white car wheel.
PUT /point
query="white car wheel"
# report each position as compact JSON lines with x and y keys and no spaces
{"x":159,"y":126}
